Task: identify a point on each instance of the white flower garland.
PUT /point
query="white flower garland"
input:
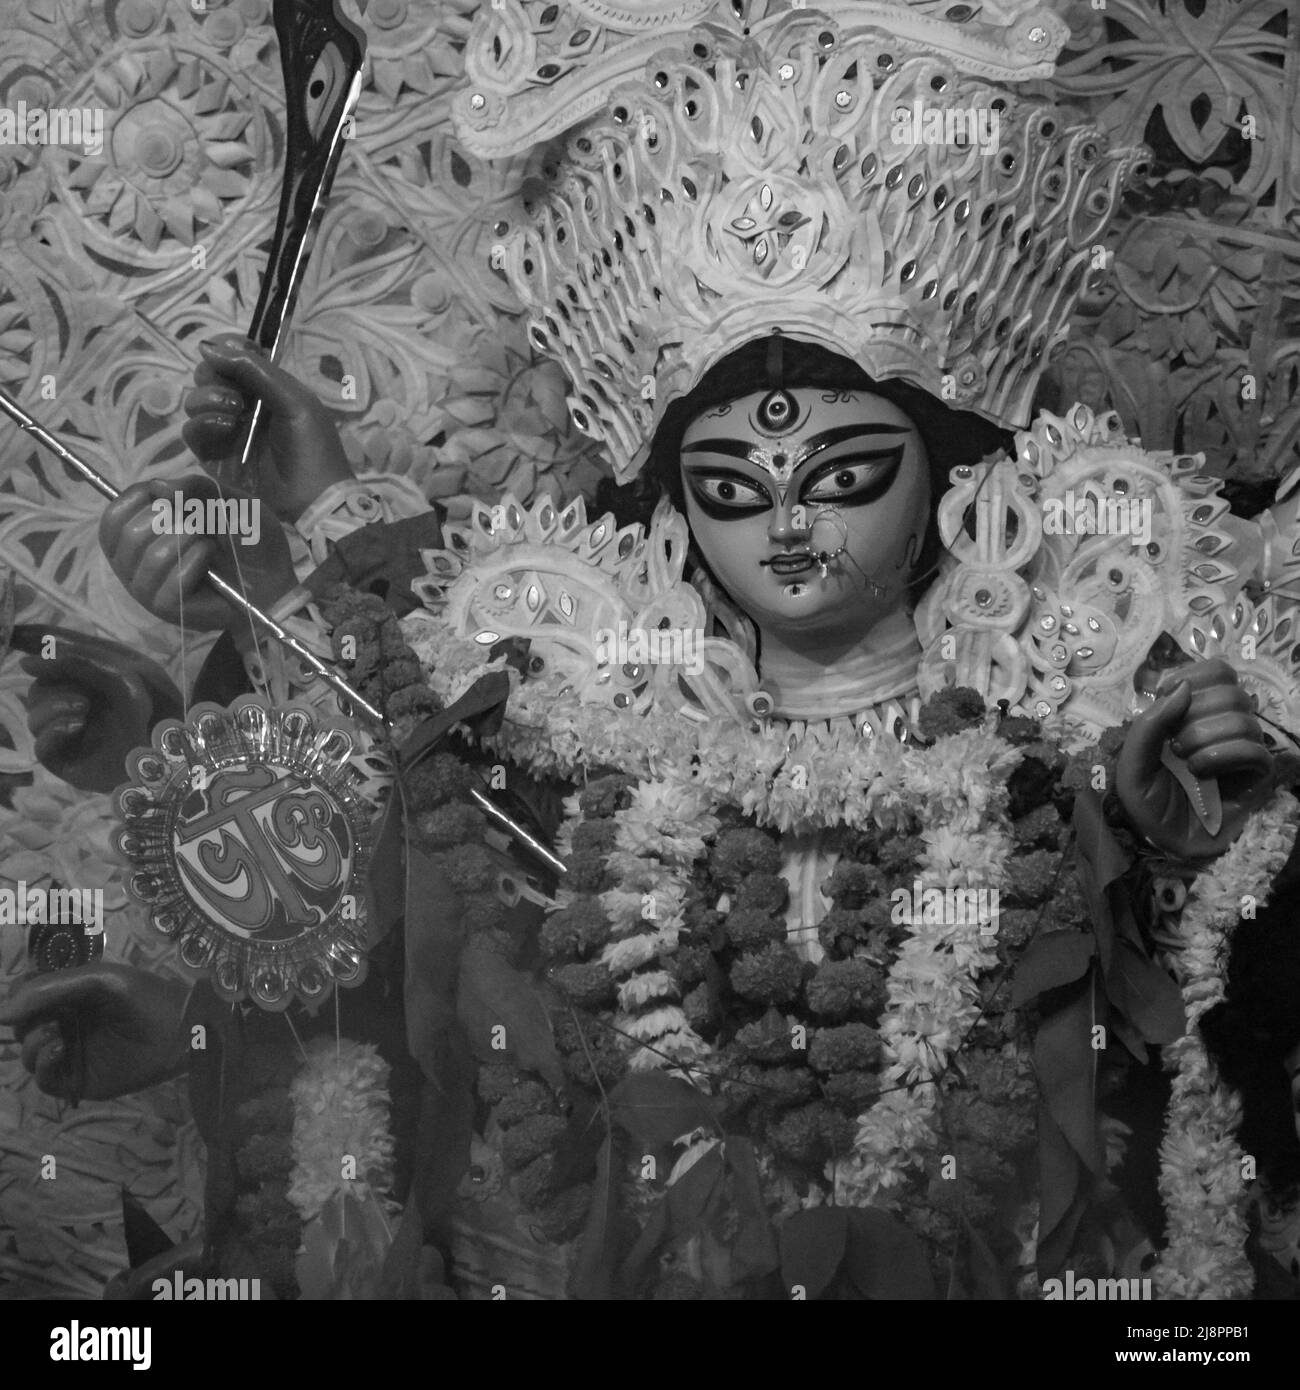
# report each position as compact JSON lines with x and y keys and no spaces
{"x":340,"y":1108}
{"x":826,"y":775}
{"x":785,"y":776}
{"x":1201,"y":1164}
{"x":657,"y":840}
{"x":958,"y":789}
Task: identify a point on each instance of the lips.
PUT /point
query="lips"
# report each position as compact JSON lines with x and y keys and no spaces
{"x":797,"y":563}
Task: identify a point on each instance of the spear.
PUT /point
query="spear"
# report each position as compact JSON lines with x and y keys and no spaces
{"x":321,"y":58}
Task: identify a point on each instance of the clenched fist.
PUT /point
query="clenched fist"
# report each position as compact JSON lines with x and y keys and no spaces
{"x":91,"y":703}
{"x":98,"y":1031}
{"x":1207,"y":721}
{"x":163,"y":566}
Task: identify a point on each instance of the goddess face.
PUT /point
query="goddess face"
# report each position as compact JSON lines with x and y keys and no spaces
{"x":809,"y":505}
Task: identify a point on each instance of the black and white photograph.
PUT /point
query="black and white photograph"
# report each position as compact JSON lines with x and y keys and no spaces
{"x":650,"y":652}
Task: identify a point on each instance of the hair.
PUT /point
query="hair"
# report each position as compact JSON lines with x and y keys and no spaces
{"x":1258,"y":1024}
{"x":951,"y":437}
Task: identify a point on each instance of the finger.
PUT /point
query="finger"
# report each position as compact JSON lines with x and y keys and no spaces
{"x":251,"y":370}
{"x":47,"y":996}
{"x":1231,"y":756}
{"x":33,"y":638}
{"x":36,"y":1040}
{"x":156,"y":569}
{"x":1217,"y":700}
{"x":55,"y":1069}
{"x":1199,"y":675}
{"x":1140,"y":756}
{"x":185,"y":592}
{"x":85,"y":679}
{"x":127,"y":508}
{"x":215,"y":398}
{"x":56,"y":708}
{"x":1198,"y":734}
{"x":56,"y":734}
{"x":211,"y":437}
{"x":68,"y":671}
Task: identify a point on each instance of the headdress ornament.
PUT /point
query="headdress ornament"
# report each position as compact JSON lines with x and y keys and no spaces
{"x":739,"y":174}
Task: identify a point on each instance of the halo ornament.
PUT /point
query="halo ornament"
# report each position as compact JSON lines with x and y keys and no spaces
{"x":248,"y":833}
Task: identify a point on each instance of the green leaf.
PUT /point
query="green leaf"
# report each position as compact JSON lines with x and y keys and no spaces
{"x":385,"y":905}
{"x":884,"y":1260}
{"x":754,"y":1251}
{"x":1065,"y":1063}
{"x":401,"y":1276}
{"x":486,"y":695}
{"x":1102,"y":863}
{"x":493,"y":995}
{"x":813,"y":1245}
{"x":382,"y":558}
{"x":1145,"y":994}
{"x":646,"y":1247}
{"x":1061,"y":1201}
{"x":1049,"y":961}
{"x":656,"y":1109}
{"x":575,"y":1154}
{"x":593,"y":1274}
{"x":145,"y":1238}
{"x":986,"y":1282}
{"x":693,"y":1197}
{"x":343,"y":1250}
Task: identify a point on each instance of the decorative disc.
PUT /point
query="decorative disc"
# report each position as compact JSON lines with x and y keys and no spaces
{"x":249,"y":835}
{"x":62,"y":945}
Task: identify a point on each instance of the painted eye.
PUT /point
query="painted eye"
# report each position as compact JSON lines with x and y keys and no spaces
{"x":731,"y":492}
{"x":842,"y":482}
{"x":851,"y":480}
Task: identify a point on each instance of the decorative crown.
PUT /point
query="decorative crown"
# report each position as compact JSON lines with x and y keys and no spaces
{"x":748,"y":180}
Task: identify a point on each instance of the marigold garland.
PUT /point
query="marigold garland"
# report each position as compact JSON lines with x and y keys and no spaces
{"x":683,"y":793}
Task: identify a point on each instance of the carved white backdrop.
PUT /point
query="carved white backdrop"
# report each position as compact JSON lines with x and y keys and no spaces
{"x":113,"y":268}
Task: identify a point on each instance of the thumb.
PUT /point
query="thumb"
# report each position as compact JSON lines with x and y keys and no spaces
{"x":47,"y":996}
{"x":1140,"y":756}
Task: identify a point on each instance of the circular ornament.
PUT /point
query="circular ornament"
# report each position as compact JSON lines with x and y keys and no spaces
{"x":249,"y":834}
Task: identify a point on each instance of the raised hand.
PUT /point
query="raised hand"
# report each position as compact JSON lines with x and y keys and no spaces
{"x":297,"y":454}
{"x":91,"y":703}
{"x":98,"y":1031}
{"x":164,"y":572}
{"x":1206,"y":719}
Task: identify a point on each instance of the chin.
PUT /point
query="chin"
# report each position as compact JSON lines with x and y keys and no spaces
{"x":807,"y":606}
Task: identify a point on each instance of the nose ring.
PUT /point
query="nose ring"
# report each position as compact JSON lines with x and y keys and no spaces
{"x":824,"y":557}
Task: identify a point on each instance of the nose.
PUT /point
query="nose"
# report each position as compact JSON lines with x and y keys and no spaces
{"x":789,"y":524}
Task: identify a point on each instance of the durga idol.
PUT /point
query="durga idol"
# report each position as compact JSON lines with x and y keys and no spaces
{"x":744,"y":1042}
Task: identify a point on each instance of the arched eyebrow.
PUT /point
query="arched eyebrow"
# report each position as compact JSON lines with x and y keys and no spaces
{"x":840,"y":434}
